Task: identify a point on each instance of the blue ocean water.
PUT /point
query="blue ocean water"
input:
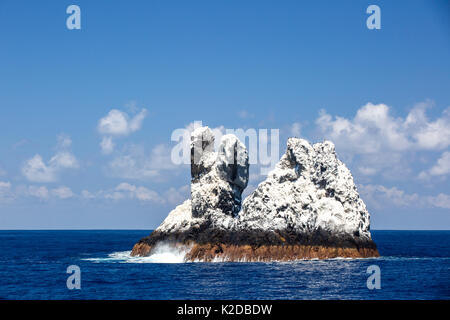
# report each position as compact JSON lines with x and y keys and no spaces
{"x":414,"y":265}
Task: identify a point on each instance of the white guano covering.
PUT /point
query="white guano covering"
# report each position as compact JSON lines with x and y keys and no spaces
{"x":309,"y":189}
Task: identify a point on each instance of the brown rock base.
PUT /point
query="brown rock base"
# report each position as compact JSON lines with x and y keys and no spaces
{"x":227,"y":252}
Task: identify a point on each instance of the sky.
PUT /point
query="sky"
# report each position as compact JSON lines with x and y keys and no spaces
{"x":87,"y":115}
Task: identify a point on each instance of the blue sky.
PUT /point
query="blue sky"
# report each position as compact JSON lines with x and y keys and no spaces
{"x":309,"y":68}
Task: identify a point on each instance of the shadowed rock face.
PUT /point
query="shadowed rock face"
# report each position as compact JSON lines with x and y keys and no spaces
{"x":202,"y":153}
{"x":217,"y":178}
{"x":308,"y":207}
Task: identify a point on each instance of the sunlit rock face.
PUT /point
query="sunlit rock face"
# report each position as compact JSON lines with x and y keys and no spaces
{"x":309,"y":191}
{"x":308,"y":207}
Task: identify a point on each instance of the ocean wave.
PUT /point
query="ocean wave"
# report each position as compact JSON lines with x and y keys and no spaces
{"x":165,"y":253}
{"x":161,"y":254}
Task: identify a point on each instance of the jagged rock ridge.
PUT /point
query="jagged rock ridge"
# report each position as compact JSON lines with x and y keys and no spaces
{"x":308,"y":207}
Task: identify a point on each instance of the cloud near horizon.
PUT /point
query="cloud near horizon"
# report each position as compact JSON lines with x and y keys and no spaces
{"x":382,"y":142}
{"x":127,"y":191}
{"x":374,"y":128}
{"x":379,"y":196}
{"x":123,"y":191}
{"x":36,"y":170}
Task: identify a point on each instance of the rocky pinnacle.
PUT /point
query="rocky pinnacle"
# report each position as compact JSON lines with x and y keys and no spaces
{"x":308,"y":206}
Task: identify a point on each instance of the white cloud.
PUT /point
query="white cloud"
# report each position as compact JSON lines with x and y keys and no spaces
{"x":128,"y":191}
{"x":380,"y":143}
{"x":36,"y":170}
{"x":124,"y":186}
{"x":378,"y":196}
{"x":176,"y":196}
{"x":135,"y":164}
{"x":107,"y":145}
{"x":132,"y":167}
{"x":5,"y":191}
{"x":144,"y":194}
{"x":19,"y":144}
{"x":114,"y":195}
{"x":440,"y":201}
{"x":38,"y":192}
{"x":64,"y":159}
{"x":430,"y":135}
{"x":62,"y":192}
{"x":442,"y":167}
{"x":5,"y":185}
{"x":87,"y":195}
{"x":296,"y":129}
{"x":160,"y":157}
{"x":118,"y":123}
{"x":374,"y":128}
{"x":367,"y":171}
{"x":371,"y":130}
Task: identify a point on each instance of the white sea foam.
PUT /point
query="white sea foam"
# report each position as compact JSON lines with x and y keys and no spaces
{"x":162,"y":253}
{"x":165,"y":253}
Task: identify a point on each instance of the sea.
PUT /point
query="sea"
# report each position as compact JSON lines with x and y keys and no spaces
{"x":35,"y":264}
